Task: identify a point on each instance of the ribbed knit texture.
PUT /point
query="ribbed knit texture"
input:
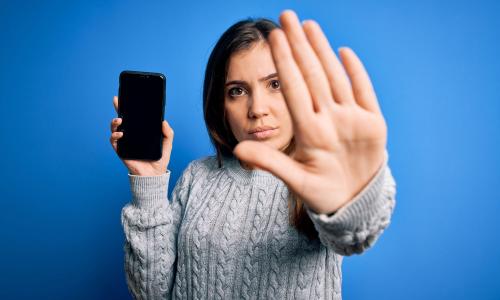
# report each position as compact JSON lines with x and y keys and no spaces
{"x":224,"y":234}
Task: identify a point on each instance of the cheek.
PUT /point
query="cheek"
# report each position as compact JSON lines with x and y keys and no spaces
{"x":236,"y":122}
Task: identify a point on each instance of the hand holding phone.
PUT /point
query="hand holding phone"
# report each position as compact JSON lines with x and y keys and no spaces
{"x":141,"y":167}
{"x":140,"y":136}
{"x":141,"y":106}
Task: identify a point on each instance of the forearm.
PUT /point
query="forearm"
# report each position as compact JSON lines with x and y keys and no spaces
{"x":150,"y":224}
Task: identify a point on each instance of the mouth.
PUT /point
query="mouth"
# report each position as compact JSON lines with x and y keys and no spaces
{"x":263,"y":132}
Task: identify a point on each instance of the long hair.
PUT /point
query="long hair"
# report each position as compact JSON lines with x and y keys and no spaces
{"x":239,"y":37}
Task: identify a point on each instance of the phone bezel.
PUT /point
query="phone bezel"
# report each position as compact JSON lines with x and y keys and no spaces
{"x":120,"y":115}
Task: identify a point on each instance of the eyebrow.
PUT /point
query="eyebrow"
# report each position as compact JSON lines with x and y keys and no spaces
{"x":243,"y":82}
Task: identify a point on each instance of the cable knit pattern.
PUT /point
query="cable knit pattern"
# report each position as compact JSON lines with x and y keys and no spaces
{"x":357,"y":225}
{"x":225,"y":234}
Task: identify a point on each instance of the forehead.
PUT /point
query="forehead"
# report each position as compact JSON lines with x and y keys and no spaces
{"x":251,"y":64}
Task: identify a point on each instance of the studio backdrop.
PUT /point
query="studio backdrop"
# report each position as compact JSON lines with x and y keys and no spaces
{"x":435,"y":69}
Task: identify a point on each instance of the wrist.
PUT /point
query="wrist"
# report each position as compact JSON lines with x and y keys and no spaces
{"x":146,"y":172}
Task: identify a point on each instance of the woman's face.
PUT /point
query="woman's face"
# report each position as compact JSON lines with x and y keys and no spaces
{"x":255,"y":107}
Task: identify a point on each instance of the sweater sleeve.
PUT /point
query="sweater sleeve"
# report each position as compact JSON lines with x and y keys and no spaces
{"x":357,"y":225}
{"x":151,"y":223}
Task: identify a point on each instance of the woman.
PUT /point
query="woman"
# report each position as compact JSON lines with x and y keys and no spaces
{"x":300,"y":178}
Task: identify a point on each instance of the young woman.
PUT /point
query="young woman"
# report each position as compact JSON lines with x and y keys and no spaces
{"x":299,"y":180}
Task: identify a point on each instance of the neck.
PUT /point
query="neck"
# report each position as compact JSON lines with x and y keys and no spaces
{"x":245,"y":166}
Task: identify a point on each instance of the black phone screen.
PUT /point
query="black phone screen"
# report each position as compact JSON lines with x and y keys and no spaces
{"x":141,"y":104}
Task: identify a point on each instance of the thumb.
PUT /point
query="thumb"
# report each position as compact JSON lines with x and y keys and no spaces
{"x":168,"y":135}
{"x":269,"y":159}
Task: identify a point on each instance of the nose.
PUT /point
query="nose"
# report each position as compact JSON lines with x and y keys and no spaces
{"x":258,"y":106}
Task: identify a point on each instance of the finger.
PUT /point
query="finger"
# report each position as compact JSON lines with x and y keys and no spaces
{"x":307,"y":61}
{"x":168,"y":134}
{"x":337,"y":77}
{"x":115,"y":136}
{"x":115,"y":123}
{"x":293,"y":86}
{"x":115,"y":103}
{"x":114,"y":144}
{"x":361,"y":84}
{"x":271,"y":160}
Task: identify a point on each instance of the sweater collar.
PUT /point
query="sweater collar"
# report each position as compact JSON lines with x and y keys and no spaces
{"x":246,"y":177}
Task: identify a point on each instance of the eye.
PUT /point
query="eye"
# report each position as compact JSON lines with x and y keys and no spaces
{"x":236,"y":91}
{"x":275,"y":84}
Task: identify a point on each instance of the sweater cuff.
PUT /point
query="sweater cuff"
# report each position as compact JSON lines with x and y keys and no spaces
{"x":149,"y":191}
{"x":353,"y":216}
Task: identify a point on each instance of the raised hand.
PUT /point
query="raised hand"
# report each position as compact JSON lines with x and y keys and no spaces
{"x":339,"y":130}
{"x":143,"y":167}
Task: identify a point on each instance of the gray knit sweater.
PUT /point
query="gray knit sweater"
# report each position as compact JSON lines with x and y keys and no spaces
{"x":224,"y":233}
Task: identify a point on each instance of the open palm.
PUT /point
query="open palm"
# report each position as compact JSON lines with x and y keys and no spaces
{"x":339,"y":130}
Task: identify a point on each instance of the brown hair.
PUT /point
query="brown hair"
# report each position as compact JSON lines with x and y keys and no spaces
{"x":241,"y":36}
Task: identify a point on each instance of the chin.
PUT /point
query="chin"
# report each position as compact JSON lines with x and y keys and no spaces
{"x":272,"y":142}
{"x":275,"y":144}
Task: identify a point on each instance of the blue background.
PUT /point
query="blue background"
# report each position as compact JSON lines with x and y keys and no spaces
{"x":434,"y":67}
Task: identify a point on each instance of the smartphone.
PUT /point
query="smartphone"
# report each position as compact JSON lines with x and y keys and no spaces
{"x":141,"y":105}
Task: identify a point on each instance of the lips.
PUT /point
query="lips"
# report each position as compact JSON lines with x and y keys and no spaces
{"x":263,"y":132}
{"x":260,"y":129}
